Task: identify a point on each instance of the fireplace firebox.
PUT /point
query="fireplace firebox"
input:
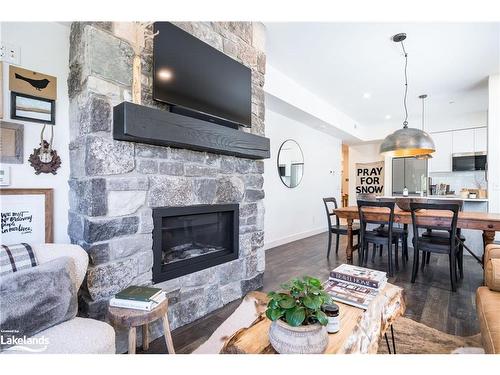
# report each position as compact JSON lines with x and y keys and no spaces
{"x":192,"y":238}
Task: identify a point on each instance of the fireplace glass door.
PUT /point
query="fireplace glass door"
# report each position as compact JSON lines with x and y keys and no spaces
{"x":188,"y":239}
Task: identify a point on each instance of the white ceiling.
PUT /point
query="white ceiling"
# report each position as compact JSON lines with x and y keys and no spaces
{"x":342,"y":61}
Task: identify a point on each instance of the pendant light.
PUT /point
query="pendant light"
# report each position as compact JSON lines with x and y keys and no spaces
{"x":406,"y":141}
{"x":425,"y":156}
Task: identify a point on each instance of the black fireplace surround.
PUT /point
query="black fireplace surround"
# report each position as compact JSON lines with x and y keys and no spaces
{"x":192,"y":238}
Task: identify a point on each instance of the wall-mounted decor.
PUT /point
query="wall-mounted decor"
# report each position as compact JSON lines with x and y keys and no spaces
{"x":290,"y":163}
{"x":12,"y":139}
{"x":1,"y":90}
{"x":370,"y":178}
{"x":26,"y":215}
{"x":45,"y":159}
{"x":24,"y":81}
{"x":32,"y":108}
{"x":4,"y":175}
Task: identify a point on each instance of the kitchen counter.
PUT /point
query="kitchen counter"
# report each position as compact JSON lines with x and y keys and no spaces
{"x":451,"y":197}
{"x":457,"y":197}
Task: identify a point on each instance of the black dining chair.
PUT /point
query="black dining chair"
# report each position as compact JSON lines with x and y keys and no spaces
{"x":440,"y":234}
{"x":376,"y":236}
{"x":431,"y":244}
{"x":335,"y":227}
{"x":400,"y":232}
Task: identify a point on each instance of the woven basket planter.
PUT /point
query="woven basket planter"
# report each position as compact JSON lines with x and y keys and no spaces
{"x":309,"y":339}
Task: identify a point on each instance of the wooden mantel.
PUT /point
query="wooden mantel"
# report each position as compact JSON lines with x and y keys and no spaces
{"x":137,"y":123}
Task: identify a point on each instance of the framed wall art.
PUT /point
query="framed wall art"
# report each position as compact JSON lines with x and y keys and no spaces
{"x":4,"y":175}
{"x":32,"y":108}
{"x":26,"y":216}
{"x":11,"y":140}
{"x":1,"y":90}
{"x":28,"y":82}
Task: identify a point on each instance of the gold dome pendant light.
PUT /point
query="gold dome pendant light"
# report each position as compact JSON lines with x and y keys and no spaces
{"x":425,"y":156}
{"x":406,"y":141}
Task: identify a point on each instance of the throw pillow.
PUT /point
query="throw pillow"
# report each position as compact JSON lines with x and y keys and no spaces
{"x":16,"y":257}
{"x":36,"y":298}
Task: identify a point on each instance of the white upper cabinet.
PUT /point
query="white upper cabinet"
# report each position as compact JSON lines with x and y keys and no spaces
{"x":441,"y":159}
{"x":480,"y":139}
{"x":456,"y":142}
{"x":463,"y":141}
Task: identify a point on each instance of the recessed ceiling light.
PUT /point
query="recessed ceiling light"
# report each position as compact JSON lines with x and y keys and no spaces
{"x":388,"y":117}
{"x":367,"y":95}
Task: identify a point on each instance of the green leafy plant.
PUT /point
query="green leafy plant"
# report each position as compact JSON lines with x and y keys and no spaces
{"x":299,"y":303}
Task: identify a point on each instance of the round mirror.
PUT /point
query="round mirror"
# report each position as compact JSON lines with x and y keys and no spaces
{"x":290,"y":163}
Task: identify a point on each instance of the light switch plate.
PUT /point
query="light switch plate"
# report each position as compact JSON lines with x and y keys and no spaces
{"x":10,"y":53}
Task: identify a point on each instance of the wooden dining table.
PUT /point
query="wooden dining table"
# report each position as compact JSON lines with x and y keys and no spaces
{"x":487,"y":222}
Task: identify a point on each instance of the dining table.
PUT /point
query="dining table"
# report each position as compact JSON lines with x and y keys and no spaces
{"x":488,"y":223}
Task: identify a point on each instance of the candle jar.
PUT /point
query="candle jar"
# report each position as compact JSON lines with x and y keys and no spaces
{"x":332,"y":312}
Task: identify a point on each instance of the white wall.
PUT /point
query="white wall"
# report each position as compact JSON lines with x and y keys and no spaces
{"x":44,"y":48}
{"x":493,"y":149}
{"x":296,"y":213}
{"x":301,"y":99}
{"x":367,"y":153}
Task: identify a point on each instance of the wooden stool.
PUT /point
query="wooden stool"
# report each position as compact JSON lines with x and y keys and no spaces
{"x":132,"y":319}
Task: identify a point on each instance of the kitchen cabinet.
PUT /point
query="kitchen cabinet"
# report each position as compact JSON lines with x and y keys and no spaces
{"x":456,"y":142}
{"x":480,"y":139}
{"x":463,"y":141}
{"x":441,"y":159}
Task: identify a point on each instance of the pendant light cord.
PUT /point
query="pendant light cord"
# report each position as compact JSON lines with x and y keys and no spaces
{"x":423,"y":112}
{"x":405,"y":122}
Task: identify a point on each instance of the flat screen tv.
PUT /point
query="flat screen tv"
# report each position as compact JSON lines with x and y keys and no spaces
{"x":198,"y":80}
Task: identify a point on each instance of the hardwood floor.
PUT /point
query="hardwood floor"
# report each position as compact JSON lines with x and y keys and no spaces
{"x":429,"y":300}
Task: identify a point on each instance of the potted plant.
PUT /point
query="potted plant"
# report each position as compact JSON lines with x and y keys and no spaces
{"x":298,"y":321}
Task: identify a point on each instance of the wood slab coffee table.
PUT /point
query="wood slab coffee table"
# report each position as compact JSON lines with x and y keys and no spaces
{"x":360,"y":330}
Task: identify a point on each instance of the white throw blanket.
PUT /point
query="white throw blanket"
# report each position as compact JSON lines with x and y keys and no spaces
{"x":243,"y":317}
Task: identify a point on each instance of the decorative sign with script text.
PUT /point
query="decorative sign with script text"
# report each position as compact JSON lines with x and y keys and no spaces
{"x":23,"y":219}
{"x":370,"y":178}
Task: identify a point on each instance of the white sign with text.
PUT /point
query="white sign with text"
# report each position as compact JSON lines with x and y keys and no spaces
{"x":23,"y":219}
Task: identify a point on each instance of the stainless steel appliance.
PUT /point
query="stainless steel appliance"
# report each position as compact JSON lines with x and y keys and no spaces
{"x":470,"y":161}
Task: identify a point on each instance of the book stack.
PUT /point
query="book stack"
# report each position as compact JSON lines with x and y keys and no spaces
{"x":355,"y":286}
{"x":138,"y":298}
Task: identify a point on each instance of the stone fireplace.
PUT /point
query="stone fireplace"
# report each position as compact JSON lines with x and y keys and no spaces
{"x":123,"y":193}
{"x":190,"y":239}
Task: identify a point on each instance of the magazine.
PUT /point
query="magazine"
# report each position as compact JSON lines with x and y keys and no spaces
{"x":350,"y":294}
{"x":359,"y":275}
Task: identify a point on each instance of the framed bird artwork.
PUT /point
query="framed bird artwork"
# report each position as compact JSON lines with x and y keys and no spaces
{"x":28,"y":82}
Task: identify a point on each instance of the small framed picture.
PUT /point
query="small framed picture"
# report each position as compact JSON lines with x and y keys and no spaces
{"x":11,"y":142}
{"x":4,"y":175}
{"x":30,"y":108}
{"x":1,"y":90}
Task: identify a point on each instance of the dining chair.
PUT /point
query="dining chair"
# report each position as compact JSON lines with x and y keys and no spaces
{"x":431,"y":244}
{"x":400,"y":232}
{"x":440,"y":234}
{"x":375,"y":236}
{"x":335,"y":227}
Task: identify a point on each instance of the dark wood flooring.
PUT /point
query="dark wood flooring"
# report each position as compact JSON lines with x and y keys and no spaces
{"x":429,"y":300}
